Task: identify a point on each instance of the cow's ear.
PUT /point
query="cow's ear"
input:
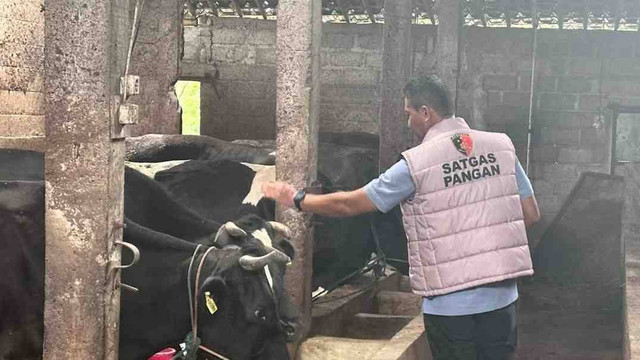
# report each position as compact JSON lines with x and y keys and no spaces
{"x":212,"y":293}
{"x":287,"y":247}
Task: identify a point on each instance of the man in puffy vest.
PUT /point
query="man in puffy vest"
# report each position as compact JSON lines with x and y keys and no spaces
{"x":466,"y":202}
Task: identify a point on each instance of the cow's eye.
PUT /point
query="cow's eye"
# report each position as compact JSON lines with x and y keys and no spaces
{"x":261,"y":314}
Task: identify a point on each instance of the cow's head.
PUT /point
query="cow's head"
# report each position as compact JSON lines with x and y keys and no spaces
{"x":251,"y":229}
{"x":248,"y":287}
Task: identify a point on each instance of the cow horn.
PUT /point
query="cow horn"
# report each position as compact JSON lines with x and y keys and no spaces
{"x":227,"y":230}
{"x":252,"y":263}
{"x":234,"y":230}
{"x":281,"y":228}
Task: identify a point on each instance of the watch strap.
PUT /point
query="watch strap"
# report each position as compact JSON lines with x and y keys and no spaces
{"x":297,"y":199}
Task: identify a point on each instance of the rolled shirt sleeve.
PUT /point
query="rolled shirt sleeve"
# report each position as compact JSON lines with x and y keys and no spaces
{"x":392,"y":187}
{"x":524,"y":185}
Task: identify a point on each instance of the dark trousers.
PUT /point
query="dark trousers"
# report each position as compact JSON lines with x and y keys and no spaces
{"x":486,"y":336}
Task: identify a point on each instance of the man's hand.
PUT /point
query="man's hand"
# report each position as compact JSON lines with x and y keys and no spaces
{"x":281,"y":192}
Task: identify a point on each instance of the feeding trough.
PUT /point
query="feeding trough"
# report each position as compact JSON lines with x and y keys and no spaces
{"x":368,"y":319}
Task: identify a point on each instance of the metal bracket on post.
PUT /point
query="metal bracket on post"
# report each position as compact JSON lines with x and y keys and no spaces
{"x":131,"y":84}
{"x":128,"y":114}
{"x":118,"y":130}
{"x":117,"y":267}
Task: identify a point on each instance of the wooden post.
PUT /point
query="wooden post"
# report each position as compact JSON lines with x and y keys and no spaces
{"x":396,"y":71}
{"x":297,"y":101}
{"x":85,"y":48}
{"x":447,"y":49}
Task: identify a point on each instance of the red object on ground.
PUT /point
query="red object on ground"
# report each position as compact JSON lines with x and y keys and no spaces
{"x":165,"y":354}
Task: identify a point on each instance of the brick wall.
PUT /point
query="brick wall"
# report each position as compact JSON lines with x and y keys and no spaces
{"x":242,"y":103}
{"x":21,"y":74}
{"x":577,"y":74}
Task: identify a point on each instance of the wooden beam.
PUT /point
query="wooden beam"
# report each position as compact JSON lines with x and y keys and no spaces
{"x":261,"y":8}
{"x":366,"y":6}
{"x":237,"y":7}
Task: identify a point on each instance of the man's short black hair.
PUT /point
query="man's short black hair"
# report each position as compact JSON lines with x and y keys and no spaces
{"x":428,"y":91}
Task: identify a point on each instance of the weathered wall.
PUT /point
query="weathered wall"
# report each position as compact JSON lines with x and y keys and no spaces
{"x":155,"y":59}
{"x":577,"y":74}
{"x":241,"y":104}
{"x":21,"y":74}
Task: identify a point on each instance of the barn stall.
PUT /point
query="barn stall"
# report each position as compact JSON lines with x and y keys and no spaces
{"x":546,"y":79}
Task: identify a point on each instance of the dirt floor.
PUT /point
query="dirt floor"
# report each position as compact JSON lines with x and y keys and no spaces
{"x":572,"y":307}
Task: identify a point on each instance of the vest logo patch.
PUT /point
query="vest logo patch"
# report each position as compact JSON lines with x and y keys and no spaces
{"x":463,"y":143}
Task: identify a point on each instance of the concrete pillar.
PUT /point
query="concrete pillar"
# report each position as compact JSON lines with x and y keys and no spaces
{"x":297,"y":101}
{"x":85,"y":45}
{"x":155,"y":59}
{"x":447,"y":49}
{"x":396,"y":71}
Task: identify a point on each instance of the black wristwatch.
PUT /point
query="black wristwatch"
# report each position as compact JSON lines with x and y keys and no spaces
{"x":298,"y":198}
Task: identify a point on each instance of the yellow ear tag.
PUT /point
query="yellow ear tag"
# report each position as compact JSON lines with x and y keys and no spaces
{"x":211,"y":305}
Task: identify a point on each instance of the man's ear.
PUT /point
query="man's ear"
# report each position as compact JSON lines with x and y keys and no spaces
{"x":424,"y":110}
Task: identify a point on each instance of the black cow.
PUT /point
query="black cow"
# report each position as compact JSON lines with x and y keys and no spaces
{"x":154,"y":148}
{"x":22,"y":269}
{"x":148,"y":204}
{"x":247,"y":304}
{"x":346,"y":161}
{"x":244,"y":279}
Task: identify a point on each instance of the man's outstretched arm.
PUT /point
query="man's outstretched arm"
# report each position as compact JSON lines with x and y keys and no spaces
{"x":338,"y":204}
